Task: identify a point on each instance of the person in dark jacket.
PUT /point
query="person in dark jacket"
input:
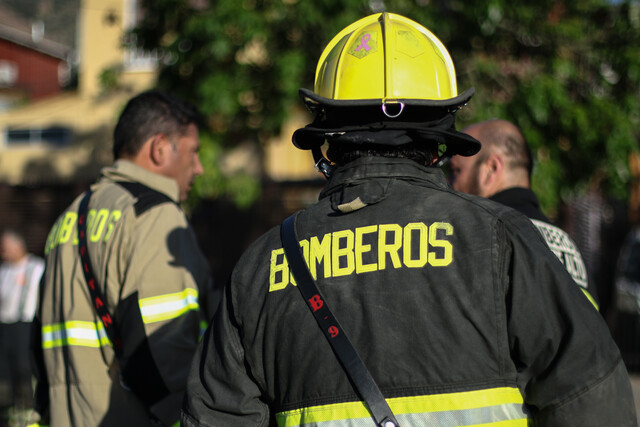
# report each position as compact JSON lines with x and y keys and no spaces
{"x":501,"y":171}
{"x":458,"y":310}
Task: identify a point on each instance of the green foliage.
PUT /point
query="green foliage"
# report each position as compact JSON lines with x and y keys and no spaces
{"x":110,"y":78}
{"x":568,"y":73}
{"x":564,"y":72}
{"x":243,"y":188}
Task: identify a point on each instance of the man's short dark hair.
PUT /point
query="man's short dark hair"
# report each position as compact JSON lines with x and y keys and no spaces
{"x":148,"y":114}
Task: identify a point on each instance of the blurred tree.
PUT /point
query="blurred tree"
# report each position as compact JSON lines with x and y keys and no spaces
{"x":567,"y":73}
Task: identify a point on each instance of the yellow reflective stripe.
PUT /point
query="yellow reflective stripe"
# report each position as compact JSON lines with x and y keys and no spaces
{"x":493,"y":407}
{"x":506,"y":423}
{"x":168,"y":306}
{"x":593,"y":301}
{"x":74,"y":332}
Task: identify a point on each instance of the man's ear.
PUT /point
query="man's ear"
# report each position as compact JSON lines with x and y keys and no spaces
{"x":158,"y":149}
{"x":495,"y":163}
{"x":491,"y":176}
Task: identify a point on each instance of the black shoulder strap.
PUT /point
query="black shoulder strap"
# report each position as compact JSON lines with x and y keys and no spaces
{"x":342,"y":346}
{"x":97,"y":297}
{"x":147,"y":197}
{"x":137,"y":364}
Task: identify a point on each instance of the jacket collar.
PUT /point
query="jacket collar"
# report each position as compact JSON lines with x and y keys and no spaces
{"x":124,"y":170}
{"x":369,"y":180}
{"x":521,"y":199}
{"x":372,"y":168}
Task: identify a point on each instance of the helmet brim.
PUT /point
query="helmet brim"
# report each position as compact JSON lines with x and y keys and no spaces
{"x":313,"y":101}
{"x":315,"y":134}
{"x":457,"y":142}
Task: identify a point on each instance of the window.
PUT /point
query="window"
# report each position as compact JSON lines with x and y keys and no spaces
{"x":55,"y":136}
{"x":135,"y":58}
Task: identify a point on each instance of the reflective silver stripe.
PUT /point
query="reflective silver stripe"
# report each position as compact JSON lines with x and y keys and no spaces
{"x":170,"y":306}
{"x":467,"y":417}
{"x":74,"y":333}
{"x":502,"y":414}
{"x":501,"y":406}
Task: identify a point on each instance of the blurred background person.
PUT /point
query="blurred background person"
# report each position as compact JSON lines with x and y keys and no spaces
{"x":501,"y":171}
{"x":20,"y":274}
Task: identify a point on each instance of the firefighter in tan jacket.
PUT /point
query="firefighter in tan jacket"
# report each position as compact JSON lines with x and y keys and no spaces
{"x":153,"y":277}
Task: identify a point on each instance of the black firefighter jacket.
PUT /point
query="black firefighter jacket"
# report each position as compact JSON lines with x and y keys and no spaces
{"x":455,"y":303}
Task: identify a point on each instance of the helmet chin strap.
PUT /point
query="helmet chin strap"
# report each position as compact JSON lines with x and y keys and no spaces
{"x":322,"y":164}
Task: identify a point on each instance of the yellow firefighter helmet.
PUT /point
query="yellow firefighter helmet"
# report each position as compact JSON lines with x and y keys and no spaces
{"x":387,"y":57}
{"x":387,"y":72}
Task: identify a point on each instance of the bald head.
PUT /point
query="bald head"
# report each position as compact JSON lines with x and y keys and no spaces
{"x":504,"y":161}
{"x":506,"y":137}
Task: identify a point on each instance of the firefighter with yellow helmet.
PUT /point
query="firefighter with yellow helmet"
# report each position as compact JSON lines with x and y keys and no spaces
{"x":451,"y":309}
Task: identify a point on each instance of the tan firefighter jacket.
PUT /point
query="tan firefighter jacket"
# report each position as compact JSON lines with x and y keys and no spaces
{"x":156,"y":282}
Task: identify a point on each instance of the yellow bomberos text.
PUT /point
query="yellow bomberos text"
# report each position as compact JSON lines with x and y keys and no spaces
{"x":367,"y":249}
{"x":100,"y":225}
